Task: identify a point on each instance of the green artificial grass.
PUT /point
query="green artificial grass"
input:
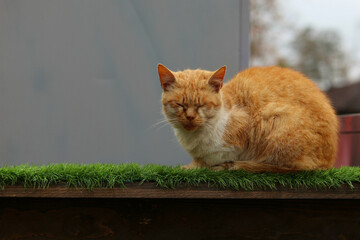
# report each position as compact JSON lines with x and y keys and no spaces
{"x":90,"y":176}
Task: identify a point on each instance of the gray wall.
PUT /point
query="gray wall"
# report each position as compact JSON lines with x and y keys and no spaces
{"x":78,"y":79}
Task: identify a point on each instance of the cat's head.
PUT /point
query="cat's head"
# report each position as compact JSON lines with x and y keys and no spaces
{"x":191,"y":98}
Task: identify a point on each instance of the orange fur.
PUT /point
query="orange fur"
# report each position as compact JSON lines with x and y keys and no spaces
{"x":266,"y":119}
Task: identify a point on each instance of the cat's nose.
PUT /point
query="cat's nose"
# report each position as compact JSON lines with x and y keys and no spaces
{"x":190,"y":117}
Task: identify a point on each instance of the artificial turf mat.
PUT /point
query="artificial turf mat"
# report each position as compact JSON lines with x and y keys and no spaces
{"x":90,"y":176}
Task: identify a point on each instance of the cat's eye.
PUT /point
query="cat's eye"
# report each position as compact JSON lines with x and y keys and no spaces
{"x":200,"y":106}
{"x":180,"y":105}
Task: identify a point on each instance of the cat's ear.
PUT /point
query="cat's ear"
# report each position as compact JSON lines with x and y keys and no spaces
{"x":166,"y":77}
{"x":217,"y":79}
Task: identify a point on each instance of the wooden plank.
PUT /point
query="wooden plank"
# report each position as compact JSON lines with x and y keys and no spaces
{"x":70,"y":219}
{"x":149,"y":190}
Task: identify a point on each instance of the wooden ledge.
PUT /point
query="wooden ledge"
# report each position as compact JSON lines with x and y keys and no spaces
{"x":150,"y":191}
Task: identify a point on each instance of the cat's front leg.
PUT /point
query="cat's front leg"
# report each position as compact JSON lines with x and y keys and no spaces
{"x":197,"y":163}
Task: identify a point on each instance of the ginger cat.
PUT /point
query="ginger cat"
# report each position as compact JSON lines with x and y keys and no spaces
{"x":266,"y":119}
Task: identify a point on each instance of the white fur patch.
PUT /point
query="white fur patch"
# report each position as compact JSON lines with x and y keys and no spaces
{"x":206,"y":143}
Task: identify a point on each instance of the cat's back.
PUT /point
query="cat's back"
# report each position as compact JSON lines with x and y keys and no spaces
{"x":259,"y":86}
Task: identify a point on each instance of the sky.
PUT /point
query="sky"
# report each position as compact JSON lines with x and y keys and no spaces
{"x":342,"y":16}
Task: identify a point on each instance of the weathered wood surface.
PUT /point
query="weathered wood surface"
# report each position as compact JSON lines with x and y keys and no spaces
{"x":149,"y":190}
{"x":94,"y":218}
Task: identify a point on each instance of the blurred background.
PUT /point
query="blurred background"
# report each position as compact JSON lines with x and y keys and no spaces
{"x":78,"y":79}
{"x":319,"y":38}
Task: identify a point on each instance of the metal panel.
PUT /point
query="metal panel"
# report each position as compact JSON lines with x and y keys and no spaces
{"x":349,"y":141}
{"x":78,"y":78}
{"x":350,"y":123}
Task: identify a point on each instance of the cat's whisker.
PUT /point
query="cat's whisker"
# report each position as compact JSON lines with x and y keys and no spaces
{"x":163,"y":120}
{"x":162,"y":123}
{"x":161,"y":126}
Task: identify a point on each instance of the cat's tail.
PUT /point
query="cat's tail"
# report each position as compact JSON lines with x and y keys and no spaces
{"x":255,"y":167}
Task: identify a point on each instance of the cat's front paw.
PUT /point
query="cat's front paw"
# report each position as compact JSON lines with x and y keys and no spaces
{"x":190,"y":166}
{"x":187,"y":166}
{"x":217,"y":168}
{"x":222,"y":166}
{"x":193,"y":165}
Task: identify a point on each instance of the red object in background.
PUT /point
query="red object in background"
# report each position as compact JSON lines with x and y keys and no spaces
{"x":349,"y":141}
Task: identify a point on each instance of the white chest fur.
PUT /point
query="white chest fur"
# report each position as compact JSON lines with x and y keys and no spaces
{"x":207,"y":143}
